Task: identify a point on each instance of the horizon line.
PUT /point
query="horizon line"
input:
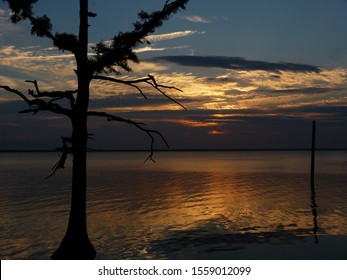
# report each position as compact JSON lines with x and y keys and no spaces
{"x":173,"y":150}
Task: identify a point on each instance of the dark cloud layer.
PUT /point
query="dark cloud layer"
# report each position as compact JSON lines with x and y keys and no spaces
{"x":242,"y":128}
{"x":237,"y":63}
{"x":308,"y":90}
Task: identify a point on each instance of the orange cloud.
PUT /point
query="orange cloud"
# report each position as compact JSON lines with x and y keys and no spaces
{"x":195,"y":123}
{"x":217,"y":132}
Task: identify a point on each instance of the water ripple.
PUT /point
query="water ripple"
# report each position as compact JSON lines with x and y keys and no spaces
{"x":181,"y":208}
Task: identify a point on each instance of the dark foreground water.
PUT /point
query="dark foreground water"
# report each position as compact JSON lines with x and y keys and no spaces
{"x":189,"y":205}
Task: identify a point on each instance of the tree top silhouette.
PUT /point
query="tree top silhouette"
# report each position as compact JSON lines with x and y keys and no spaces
{"x":106,"y":55}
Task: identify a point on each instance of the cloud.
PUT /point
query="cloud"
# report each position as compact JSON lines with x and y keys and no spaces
{"x":173,"y":35}
{"x":156,"y":49}
{"x":162,"y":37}
{"x":217,"y":132}
{"x":196,"y":19}
{"x":158,"y":38}
{"x":149,"y":49}
{"x":225,"y":89}
{"x":308,"y":90}
{"x":52,"y":68}
{"x":2,"y":12}
{"x":237,"y":63}
{"x":7,"y":29}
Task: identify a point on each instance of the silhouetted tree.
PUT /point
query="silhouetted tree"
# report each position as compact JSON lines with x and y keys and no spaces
{"x":107,"y":56}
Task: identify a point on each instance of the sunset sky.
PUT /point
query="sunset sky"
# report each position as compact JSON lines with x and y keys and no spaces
{"x":253,"y":74}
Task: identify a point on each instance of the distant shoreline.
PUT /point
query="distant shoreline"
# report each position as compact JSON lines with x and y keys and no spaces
{"x":174,"y":150}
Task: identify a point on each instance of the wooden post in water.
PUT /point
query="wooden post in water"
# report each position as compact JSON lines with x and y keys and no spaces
{"x":313,"y":150}
{"x":313,"y":191}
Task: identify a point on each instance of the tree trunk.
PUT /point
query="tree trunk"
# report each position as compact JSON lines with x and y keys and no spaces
{"x":76,"y":243}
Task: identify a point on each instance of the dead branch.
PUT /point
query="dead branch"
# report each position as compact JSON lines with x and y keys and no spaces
{"x":138,"y":125}
{"x":129,"y":83}
{"x":65,"y":150}
{"x":21,"y":95}
{"x":150,"y":80}
{"x":55,"y":95}
{"x":157,"y":86}
{"x":36,"y":105}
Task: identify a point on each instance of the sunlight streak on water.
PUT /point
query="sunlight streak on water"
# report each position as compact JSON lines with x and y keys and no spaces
{"x":188,"y":205}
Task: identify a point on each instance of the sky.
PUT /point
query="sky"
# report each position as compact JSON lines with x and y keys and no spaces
{"x":253,"y":74}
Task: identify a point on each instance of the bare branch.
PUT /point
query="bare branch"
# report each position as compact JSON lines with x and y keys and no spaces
{"x":36,"y":105}
{"x":21,"y":95}
{"x":56,"y":95}
{"x":61,"y":162}
{"x":129,"y":83}
{"x":157,"y":86}
{"x":150,"y":80}
{"x":138,"y":125}
{"x":91,"y":14}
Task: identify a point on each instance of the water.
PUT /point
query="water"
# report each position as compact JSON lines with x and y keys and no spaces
{"x":189,"y":205}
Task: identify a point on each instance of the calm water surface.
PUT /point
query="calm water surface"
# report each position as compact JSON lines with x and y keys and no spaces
{"x":189,"y":205}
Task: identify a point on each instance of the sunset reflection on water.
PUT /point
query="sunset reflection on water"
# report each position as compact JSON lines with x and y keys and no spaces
{"x":188,"y":205}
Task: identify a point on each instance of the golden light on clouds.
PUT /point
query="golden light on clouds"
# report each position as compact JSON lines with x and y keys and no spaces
{"x":141,"y":108}
{"x":217,"y":132}
{"x":195,"y":123}
{"x":221,"y":90}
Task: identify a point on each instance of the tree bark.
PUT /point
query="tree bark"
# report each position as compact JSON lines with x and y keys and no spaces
{"x":76,"y":243}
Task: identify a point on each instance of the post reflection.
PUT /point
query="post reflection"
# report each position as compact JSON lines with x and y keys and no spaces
{"x":313,"y":192}
{"x":314,"y":208}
